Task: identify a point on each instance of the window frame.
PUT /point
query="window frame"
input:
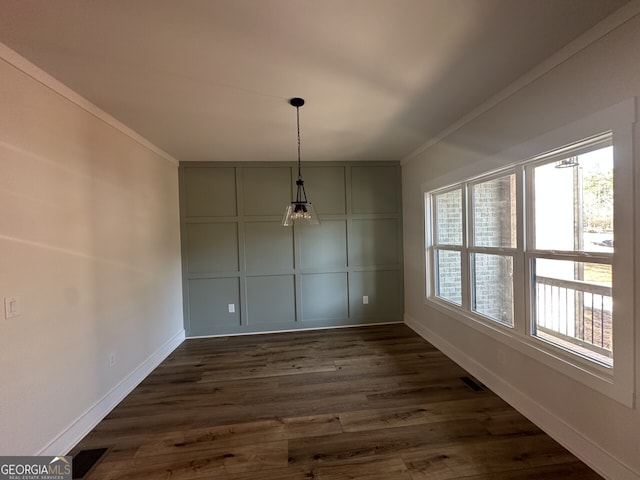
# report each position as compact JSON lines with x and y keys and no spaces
{"x":531,"y":254}
{"x":449,"y":247}
{"x":499,"y":251}
{"x":617,"y":382}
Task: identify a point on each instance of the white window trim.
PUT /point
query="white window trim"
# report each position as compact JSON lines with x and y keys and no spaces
{"x":617,"y":382}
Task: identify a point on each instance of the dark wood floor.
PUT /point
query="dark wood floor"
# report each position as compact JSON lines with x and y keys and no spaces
{"x":359,"y":403}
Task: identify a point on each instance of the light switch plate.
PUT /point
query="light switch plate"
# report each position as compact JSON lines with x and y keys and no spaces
{"x":11,"y":307}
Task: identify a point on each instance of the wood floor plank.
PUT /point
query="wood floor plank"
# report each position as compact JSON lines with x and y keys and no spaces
{"x":196,"y":464}
{"x":567,"y":471}
{"x":468,"y":408}
{"x":312,"y":426}
{"x":368,"y":403}
{"x":486,"y":457}
{"x":385,"y":468}
{"x":199,"y":439}
{"x":391,"y":441}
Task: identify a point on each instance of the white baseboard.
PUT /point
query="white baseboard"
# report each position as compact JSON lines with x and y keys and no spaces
{"x":582,"y":447}
{"x":294,"y":330}
{"x":70,"y":437}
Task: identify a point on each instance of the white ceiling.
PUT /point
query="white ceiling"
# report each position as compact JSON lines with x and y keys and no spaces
{"x":210,"y":79}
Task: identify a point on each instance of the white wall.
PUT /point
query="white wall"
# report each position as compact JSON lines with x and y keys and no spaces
{"x":599,"y":74}
{"x":89,"y":242}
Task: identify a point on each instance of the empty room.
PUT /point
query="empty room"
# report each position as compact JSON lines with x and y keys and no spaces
{"x":343,"y":239}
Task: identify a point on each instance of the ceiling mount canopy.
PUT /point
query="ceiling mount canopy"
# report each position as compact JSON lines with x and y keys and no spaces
{"x":301,"y":210}
{"x":296,"y":102}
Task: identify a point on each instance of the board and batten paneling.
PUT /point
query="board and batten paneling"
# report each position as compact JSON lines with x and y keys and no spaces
{"x":245,"y":273}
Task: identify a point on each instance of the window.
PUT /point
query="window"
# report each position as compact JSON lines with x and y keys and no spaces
{"x":538,"y":253}
{"x":493,"y":247}
{"x":448,"y":245}
{"x":488,"y":257}
{"x":572,"y":249}
{"x":569,"y":195}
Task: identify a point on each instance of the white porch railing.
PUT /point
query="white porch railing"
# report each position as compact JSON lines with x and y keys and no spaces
{"x":576,"y":312}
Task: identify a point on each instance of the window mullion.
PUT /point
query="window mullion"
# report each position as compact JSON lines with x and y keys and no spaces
{"x":467,"y":233}
{"x":494,"y":250}
{"x":429,"y":240}
{"x":600,"y":257}
{"x":520,"y":300}
{"x":528,"y":226}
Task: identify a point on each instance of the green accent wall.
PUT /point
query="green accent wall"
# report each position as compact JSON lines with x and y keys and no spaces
{"x":234,"y":250}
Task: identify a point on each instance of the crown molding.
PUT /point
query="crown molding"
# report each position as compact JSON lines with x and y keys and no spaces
{"x":25,"y":66}
{"x":610,"y":23}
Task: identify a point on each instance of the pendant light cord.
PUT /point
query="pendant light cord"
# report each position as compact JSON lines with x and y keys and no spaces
{"x":301,"y":195}
{"x":298,"y":123}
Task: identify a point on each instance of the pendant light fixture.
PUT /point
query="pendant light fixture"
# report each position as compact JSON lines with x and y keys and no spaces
{"x":301,"y":210}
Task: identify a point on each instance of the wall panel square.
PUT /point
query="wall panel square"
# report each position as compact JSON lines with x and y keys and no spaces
{"x":268,"y":247}
{"x":383,"y":289}
{"x":209,"y":299}
{"x":374,"y":242}
{"x":210,"y":191}
{"x":324,"y":246}
{"x":326,"y":189}
{"x":212,"y":247}
{"x":324,"y":296}
{"x":271,"y":299}
{"x":375,"y":190}
{"x":266,"y":190}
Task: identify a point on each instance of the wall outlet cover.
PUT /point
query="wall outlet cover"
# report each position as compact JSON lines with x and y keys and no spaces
{"x":11,"y":307}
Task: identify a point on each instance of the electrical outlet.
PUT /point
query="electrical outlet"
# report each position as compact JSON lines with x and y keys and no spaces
{"x":11,"y":307}
{"x":365,"y":300}
{"x":232,"y":308}
{"x":112,"y":359}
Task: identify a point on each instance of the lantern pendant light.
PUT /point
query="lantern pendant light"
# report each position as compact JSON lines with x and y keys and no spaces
{"x":301,"y":211}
